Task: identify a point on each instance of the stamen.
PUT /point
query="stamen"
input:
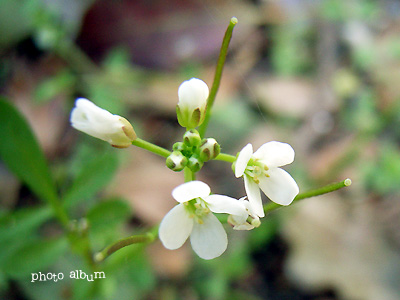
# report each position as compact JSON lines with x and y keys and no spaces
{"x":250,"y":168}
{"x":256,"y":180}
{"x":251,"y":174}
{"x":200,"y":221}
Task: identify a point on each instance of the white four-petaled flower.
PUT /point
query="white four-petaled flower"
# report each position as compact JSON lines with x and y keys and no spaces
{"x":193,"y":217}
{"x":261,"y":171}
{"x":101,"y":124}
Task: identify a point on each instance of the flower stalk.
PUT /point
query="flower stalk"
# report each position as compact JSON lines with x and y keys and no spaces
{"x":151,"y":147}
{"x":226,"y":157}
{"x":188,"y":175}
{"x":312,"y":193}
{"x":218,"y":74}
{"x":131,"y":240}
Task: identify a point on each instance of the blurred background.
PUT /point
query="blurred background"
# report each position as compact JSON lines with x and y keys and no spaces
{"x":321,"y":75}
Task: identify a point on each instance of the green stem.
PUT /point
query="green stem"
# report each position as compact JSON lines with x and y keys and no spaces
{"x":135,"y":239}
{"x":188,"y":175}
{"x":77,"y":59}
{"x":226,"y":157}
{"x":312,"y":193}
{"x":218,"y":74}
{"x":60,"y":212}
{"x":151,"y":147}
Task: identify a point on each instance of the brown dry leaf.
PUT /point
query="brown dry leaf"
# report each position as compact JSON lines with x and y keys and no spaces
{"x":170,"y":263}
{"x":335,"y":246}
{"x":284,"y":96}
{"x":266,"y":132}
{"x":147,"y":184}
{"x":321,"y":161}
{"x":47,"y":120}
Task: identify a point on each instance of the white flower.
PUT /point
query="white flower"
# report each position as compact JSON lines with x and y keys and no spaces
{"x":101,"y":124}
{"x":191,"y":108}
{"x":261,"y":170}
{"x":193,"y":217}
{"x":241,"y":222}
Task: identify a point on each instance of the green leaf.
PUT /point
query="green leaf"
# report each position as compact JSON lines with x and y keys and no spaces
{"x":50,"y":88}
{"x":22,"y":154}
{"x":22,"y":222}
{"x":107,"y":214}
{"x":93,"y":177}
{"x":35,"y":257}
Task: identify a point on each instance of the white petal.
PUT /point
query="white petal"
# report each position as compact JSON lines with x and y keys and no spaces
{"x":275,"y":154}
{"x":237,"y":220}
{"x":280,"y":187}
{"x":243,"y":159}
{"x":244,"y":226}
{"x":253,"y":194}
{"x":193,"y":94}
{"x":175,"y":227}
{"x":209,"y":240}
{"x":249,"y":208}
{"x":225,"y":204}
{"x":191,"y":190}
{"x":86,"y":115}
{"x":98,"y":122}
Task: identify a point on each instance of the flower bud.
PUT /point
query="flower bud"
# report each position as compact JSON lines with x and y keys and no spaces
{"x":192,"y":138}
{"x":209,"y":149}
{"x":191,"y":108}
{"x":179,"y":146}
{"x":256,"y":222}
{"x":194,"y":164}
{"x":176,"y":161}
{"x":101,"y":124}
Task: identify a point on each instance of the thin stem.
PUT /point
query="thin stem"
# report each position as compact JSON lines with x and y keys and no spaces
{"x":312,"y":193}
{"x":135,"y":239}
{"x":60,"y":212}
{"x":76,"y":57}
{"x":218,"y":74}
{"x":188,"y":174}
{"x":151,"y":147}
{"x":226,"y":157}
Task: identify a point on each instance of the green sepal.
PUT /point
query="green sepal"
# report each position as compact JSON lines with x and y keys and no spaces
{"x":195,"y":164}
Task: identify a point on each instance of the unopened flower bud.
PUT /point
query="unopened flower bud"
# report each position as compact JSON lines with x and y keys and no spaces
{"x":194,"y":164}
{"x":192,"y":138}
{"x":176,"y":161}
{"x":191,"y":108}
{"x":256,"y":222}
{"x":179,"y":146}
{"x":101,"y":124}
{"x":209,"y":149}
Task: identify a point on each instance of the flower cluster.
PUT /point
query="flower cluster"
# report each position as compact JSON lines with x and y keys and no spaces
{"x":193,"y":152}
{"x":193,"y":217}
